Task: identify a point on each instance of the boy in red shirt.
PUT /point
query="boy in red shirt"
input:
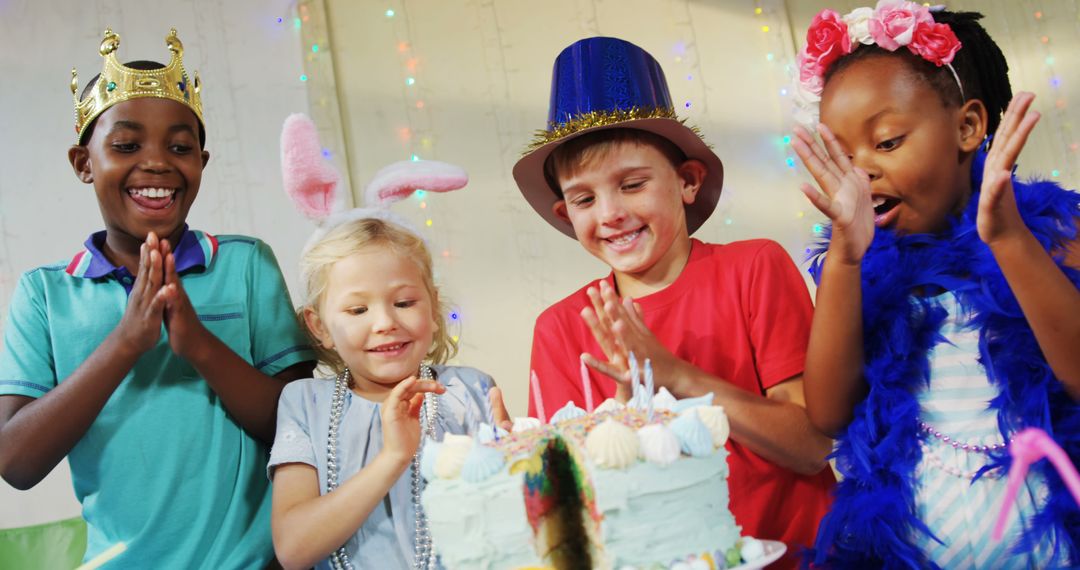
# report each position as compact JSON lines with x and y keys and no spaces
{"x":620,"y":173}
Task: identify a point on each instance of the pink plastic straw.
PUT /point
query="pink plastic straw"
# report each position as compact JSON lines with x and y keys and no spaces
{"x":586,"y":385}
{"x":535,"y":381}
{"x":1029,"y":446}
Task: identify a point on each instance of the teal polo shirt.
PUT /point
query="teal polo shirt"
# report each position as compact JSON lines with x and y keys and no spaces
{"x":164,"y":468}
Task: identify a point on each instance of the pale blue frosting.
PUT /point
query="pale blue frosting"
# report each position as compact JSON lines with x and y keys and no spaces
{"x":480,"y":527}
{"x":487,"y":434}
{"x":655,"y":514}
{"x":567,"y":412}
{"x":428,"y":455}
{"x":693,"y":434}
{"x":687,"y":403}
{"x":481,"y":463}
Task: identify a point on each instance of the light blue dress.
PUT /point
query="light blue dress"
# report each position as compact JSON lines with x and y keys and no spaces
{"x":959,"y":511}
{"x":385,"y":540}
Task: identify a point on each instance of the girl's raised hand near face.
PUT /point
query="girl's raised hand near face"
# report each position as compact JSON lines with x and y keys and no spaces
{"x":400,"y":416}
{"x":845,"y":193}
{"x":998,"y":217}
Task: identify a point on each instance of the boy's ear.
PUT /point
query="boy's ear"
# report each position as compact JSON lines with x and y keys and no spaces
{"x":973,"y":125}
{"x":318,"y":328}
{"x":692,"y":173}
{"x":205,"y":158}
{"x":560,"y":210}
{"x":79,"y":158}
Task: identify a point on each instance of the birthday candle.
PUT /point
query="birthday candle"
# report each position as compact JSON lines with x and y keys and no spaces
{"x":586,"y":385}
{"x":491,"y":412}
{"x":537,"y":397}
{"x":633,"y":378}
{"x":649,"y":385}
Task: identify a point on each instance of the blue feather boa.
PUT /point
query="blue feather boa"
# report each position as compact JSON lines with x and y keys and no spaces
{"x":873,"y":517}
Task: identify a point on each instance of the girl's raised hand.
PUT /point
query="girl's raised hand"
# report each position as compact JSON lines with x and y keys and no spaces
{"x":498,"y":409}
{"x":400,"y":417}
{"x":998,"y":216}
{"x":845,"y":196}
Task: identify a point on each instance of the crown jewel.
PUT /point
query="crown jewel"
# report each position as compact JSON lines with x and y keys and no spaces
{"x":118,"y":83}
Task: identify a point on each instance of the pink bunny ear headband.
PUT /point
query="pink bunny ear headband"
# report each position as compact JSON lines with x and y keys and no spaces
{"x":892,"y":24}
{"x":1027,"y":447}
{"x":314,"y":185}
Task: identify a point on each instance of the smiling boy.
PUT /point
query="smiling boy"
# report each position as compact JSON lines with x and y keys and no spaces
{"x":154,"y":358}
{"x":620,"y":173}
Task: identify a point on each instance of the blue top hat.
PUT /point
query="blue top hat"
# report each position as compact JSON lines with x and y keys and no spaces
{"x":605,"y":83}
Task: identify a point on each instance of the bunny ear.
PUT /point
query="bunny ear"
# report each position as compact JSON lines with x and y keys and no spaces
{"x":309,"y":178}
{"x":400,"y":179}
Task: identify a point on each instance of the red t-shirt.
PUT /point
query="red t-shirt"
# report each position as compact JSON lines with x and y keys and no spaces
{"x":739,"y":311}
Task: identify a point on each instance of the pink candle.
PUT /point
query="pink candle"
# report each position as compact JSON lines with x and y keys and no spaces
{"x":586,"y":385}
{"x":535,"y":381}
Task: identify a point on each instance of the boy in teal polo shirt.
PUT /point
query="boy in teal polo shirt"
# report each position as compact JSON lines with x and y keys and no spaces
{"x":154,"y":364}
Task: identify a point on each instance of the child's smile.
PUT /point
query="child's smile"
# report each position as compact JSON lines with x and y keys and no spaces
{"x":628,"y":210}
{"x":145,"y":161}
{"x":624,"y":242}
{"x":378,"y":316}
{"x":390,"y":349}
{"x":153,"y":198}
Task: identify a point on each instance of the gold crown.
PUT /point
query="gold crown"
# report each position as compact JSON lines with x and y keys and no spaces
{"x":118,"y":83}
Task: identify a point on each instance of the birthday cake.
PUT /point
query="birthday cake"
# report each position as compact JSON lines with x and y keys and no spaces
{"x":642,"y":485}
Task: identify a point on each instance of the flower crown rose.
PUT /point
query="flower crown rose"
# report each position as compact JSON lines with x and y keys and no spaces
{"x":891,"y":24}
{"x":826,"y":41}
{"x":895,"y":21}
{"x":936,"y":43}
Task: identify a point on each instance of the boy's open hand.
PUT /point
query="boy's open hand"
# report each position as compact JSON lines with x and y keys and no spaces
{"x":400,"y":417}
{"x":140,"y":326}
{"x":619,"y":327}
{"x":186,"y":332}
{"x":845,"y":196}
{"x":600,"y":324}
{"x":998,"y":216}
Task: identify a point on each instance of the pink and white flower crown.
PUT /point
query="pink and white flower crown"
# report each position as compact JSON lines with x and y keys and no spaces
{"x":891,"y":25}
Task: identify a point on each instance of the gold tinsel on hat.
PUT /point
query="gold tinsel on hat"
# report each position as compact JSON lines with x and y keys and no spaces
{"x":593,"y":119}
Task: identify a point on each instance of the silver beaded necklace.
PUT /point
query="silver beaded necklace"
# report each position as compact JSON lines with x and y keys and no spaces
{"x":423,"y":553}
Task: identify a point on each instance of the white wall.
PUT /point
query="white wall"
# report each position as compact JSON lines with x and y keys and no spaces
{"x":482,"y":71}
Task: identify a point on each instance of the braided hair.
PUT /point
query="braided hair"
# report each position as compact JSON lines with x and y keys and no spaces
{"x":979,"y":63}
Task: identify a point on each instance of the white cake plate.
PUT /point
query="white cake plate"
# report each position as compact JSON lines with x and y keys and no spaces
{"x":774,"y":549}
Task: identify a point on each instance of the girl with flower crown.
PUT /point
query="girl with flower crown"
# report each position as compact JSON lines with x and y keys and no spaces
{"x":948,"y":308}
{"x":346,"y":459}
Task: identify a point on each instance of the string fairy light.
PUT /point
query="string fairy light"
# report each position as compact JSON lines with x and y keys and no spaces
{"x":416,"y":138}
{"x":1062,"y":124}
{"x":771,"y":19}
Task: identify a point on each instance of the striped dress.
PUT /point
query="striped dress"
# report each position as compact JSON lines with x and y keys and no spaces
{"x":961,"y":513}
